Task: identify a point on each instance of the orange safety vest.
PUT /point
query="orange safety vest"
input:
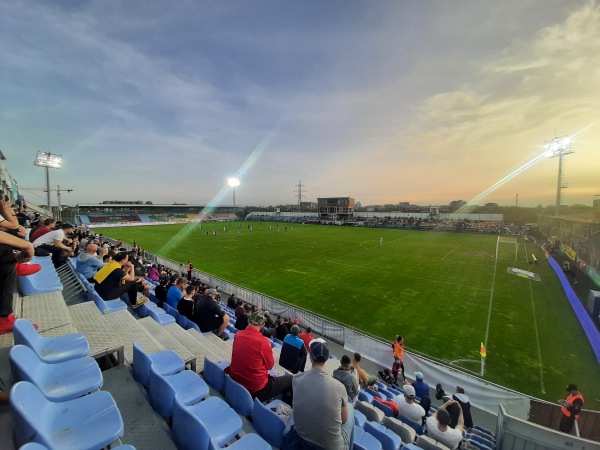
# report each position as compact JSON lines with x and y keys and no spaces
{"x":398,"y":349}
{"x":571,"y":400}
{"x":190,"y":267}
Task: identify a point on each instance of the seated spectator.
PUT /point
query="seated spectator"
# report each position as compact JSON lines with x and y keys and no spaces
{"x":293,"y":352}
{"x":186,"y":305}
{"x":348,"y":376}
{"x":364,"y":379}
{"x":438,"y":426}
{"x":47,"y":227}
{"x":88,"y":263}
{"x":52,"y":244}
{"x":421,"y":388}
{"x":117,"y":278}
{"x":153,"y":273}
{"x":408,"y":407}
{"x":161,"y":290}
{"x":281,"y":330}
{"x":323,"y":417}
{"x":242,"y":321}
{"x":464,"y":403}
{"x":231,"y":302}
{"x":175,"y":292}
{"x":209,"y":316}
{"x":251,"y":360}
{"x":239,"y":309}
{"x":307,"y":337}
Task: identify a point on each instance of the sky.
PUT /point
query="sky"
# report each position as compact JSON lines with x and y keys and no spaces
{"x":384,"y":101}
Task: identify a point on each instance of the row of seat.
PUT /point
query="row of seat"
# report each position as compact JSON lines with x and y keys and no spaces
{"x":42,"y":282}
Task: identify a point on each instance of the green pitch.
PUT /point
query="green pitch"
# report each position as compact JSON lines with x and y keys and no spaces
{"x":433,"y":288}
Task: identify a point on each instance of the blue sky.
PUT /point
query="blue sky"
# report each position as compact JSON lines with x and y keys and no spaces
{"x":385,"y":101}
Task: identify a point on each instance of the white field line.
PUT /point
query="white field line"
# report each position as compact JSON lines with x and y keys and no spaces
{"x":487,"y":327}
{"x":409,"y":276}
{"x":451,"y":251}
{"x":537,"y":338}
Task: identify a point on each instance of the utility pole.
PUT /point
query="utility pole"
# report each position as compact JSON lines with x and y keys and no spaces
{"x":299,"y":191}
{"x":58,"y":191}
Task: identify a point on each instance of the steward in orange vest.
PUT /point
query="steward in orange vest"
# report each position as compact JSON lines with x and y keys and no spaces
{"x":571,"y":407}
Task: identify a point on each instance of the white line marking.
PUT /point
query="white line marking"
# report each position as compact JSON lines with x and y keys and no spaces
{"x":487,"y":327}
{"x":451,"y":251}
{"x":537,"y":338}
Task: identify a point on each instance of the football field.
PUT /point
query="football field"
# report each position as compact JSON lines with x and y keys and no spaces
{"x":444,"y":292}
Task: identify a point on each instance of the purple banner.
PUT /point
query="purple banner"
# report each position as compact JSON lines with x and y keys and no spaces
{"x":588,"y":326}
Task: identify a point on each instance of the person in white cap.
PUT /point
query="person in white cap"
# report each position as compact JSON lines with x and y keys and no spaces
{"x":407,"y":406}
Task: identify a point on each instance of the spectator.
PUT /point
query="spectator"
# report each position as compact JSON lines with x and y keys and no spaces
{"x":186,"y":306}
{"x":465,"y":405}
{"x":571,"y":408}
{"x":209,"y":316}
{"x":251,"y":360}
{"x":422,"y":391}
{"x":47,"y":227}
{"x":239,"y":309}
{"x":231,"y":302}
{"x":314,"y":391}
{"x":293,"y":352}
{"x":88,"y":263}
{"x":190,"y":267}
{"x":281,"y":330}
{"x":52,"y":243}
{"x":242,"y":321}
{"x":161,"y":290}
{"x":398,"y":348}
{"x":438,"y":426}
{"x":407,"y":406}
{"x":175,"y":292}
{"x":348,"y":376}
{"x":307,"y":337}
{"x":364,"y":379}
{"x":153,"y":273}
{"x":117,"y":278}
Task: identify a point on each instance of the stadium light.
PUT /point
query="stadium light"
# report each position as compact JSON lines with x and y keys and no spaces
{"x":49,"y":161}
{"x":233,"y":183}
{"x":559,"y":146}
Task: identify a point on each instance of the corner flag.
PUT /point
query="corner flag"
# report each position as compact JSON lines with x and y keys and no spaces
{"x":482,"y":352}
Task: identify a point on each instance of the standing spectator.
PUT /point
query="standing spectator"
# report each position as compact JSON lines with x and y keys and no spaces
{"x":209,"y":316}
{"x":307,"y":337}
{"x":175,"y":292}
{"x":190,"y":267}
{"x":293,"y":352}
{"x":281,"y":330}
{"x":407,"y":406}
{"x":465,"y":405}
{"x":571,"y":408}
{"x":231,"y":302}
{"x":438,"y":426}
{"x":52,"y":243}
{"x":348,"y":376}
{"x":117,"y":278}
{"x":251,"y":360}
{"x":47,"y":227}
{"x":398,"y":348}
{"x":316,"y":390}
{"x":242,"y":321}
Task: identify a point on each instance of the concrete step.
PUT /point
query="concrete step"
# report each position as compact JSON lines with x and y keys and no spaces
{"x":128,"y":330}
{"x":221,"y":352}
{"x":196,"y":346}
{"x":168,"y":341}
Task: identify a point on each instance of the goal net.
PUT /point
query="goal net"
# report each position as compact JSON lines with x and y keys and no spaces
{"x":507,"y":249}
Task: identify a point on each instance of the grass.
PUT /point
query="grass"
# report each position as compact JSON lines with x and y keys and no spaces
{"x":434,"y":288}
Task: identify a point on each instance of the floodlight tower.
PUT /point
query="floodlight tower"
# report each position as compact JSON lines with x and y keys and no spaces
{"x":49,"y":161}
{"x":558,"y":147}
{"x":233,"y":183}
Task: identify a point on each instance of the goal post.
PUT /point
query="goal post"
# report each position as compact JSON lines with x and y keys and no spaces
{"x":506,"y":247}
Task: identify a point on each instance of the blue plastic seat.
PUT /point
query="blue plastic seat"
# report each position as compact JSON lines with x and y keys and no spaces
{"x":406,"y":433}
{"x":389,"y":440}
{"x":238,"y":397}
{"x":166,"y":362}
{"x":187,"y":385}
{"x":194,"y":326}
{"x":365,"y":396}
{"x":51,"y":349}
{"x":482,"y":440}
{"x":33,"y":446}
{"x":182,"y":321}
{"x":484,"y":432}
{"x":249,"y":441}
{"x":415,"y":426}
{"x":364,"y":440}
{"x":60,"y":381}
{"x":380,"y":385}
{"x":359,"y":418}
{"x":87,"y":423}
{"x":385,"y":408}
{"x":194,"y":426}
{"x":159,"y":316}
{"x":478,"y":444}
{"x":214,"y":374}
{"x":375,"y":393}
{"x":44,"y":281}
{"x":268,"y":424}
{"x":106,"y":306}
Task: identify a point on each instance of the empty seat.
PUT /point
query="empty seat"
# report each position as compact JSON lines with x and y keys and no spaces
{"x":194,"y":426}
{"x":415,"y":426}
{"x":60,"y":381}
{"x":187,"y":385}
{"x":427,"y":443}
{"x":214,"y":374}
{"x":238,"y":397}
{"x":482,"y":440}
{"x":268,"y":424}
{"x":359,"y":418}
{"x":365,"y":396}
{"x":248,"y":441}
{"x":159,"y":316}
{"x":166,"y":362}
{"x":406,"y":433}
{"x":106,"y":306}
{"x":371,"y":413}
{"x":389,"y":440}
{"x":364,"y":440}
{"x":478,"y":445}
{"x":87,"y":423}
{"x":52,"y":349}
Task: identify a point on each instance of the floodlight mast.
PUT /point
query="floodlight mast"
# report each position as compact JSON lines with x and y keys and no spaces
{"x":559,"y":147}
{"x":49,"y":161}
{"x":233,"y":183}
